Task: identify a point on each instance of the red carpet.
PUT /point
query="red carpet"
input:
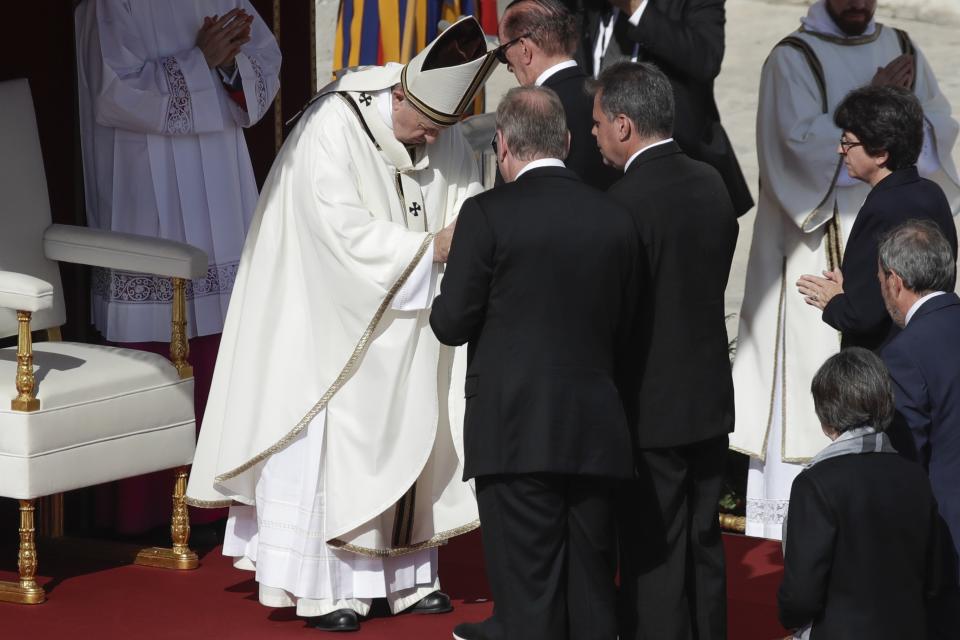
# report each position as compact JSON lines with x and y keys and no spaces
{"x":89,"y":599}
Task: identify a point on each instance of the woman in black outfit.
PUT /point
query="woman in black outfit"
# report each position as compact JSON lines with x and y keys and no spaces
{"x":882,"y":138}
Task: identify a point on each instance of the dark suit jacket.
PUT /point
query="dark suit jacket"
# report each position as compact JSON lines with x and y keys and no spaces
{"x":924,"y":363}
{"x":862,"y":549}
{"x":584,"y":157}
{"x":683,"y":390}
{"x":685,"y":39}
{"x":541,"y":282}
{"x":859,"y":314}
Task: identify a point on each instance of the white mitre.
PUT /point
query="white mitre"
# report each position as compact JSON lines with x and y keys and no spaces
{"x":440,"y":81}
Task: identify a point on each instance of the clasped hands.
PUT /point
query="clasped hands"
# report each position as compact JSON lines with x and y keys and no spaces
{"x":817,"y":291}
{"x":221,"y":37}
{"x":897,"y":73}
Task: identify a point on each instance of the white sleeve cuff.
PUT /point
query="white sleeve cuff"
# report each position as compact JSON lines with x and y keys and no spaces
{"x":417,"y":292}
{"x":635,"y":18}
{"x":928,"y":163}
{"x":229,"y":78}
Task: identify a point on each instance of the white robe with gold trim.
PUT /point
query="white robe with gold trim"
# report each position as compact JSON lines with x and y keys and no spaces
{"x":312,"y":339}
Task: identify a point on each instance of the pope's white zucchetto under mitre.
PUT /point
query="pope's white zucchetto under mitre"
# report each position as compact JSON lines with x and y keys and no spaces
{"x":442,"y":80}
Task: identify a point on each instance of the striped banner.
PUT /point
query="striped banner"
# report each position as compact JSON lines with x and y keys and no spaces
{"x":381,"y":31}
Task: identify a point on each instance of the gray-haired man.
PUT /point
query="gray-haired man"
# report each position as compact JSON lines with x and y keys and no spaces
{"x":541,"y":283}
{"x":917,"y":271}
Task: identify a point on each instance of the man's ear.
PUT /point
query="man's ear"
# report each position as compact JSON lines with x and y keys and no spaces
{"x":624,"y":127}
{"x":896,"y":284}
{"x":396,"y":97}
{"x":566,"y":150}
{"x":501,"y":146}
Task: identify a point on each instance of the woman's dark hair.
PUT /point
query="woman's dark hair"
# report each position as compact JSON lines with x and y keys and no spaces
{"x":852,"y":389}
{"x":884,"y":119}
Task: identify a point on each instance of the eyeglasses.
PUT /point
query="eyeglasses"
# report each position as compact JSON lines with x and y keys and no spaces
{"x":502,"y":49}
{"x":846,"y":145}
{"x":495,"y":146}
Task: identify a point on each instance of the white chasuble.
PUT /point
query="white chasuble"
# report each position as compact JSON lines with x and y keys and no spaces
{"x":806,"y":208}
{"x":164,"y":153}
{"x":322,"y":335}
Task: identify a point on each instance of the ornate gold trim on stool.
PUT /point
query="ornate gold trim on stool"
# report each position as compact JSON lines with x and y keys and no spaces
{"x":27,"y":591}
{"x":180,"y":556}
{"x":179,"y":345}
{"x":25,"y":400}
{"x":730,"y":522}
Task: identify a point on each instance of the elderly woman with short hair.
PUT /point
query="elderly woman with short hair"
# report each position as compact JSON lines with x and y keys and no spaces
{"x":861,"y":546}
{"x":882,"y":138}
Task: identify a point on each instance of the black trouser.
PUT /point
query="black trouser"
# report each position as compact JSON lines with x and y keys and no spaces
{"x":549,"y":543}
{"x":672,"y":572}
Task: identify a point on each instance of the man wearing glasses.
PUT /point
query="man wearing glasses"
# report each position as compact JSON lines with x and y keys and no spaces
{"x":539,"y":41}
{"x":804,"y":226}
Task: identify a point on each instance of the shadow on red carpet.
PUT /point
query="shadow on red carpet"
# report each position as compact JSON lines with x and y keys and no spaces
{"x":91,"y":598}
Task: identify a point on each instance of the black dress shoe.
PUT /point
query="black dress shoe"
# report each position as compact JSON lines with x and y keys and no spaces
{"x":339,"y":620}
{"x":469,"y":631}
{"x":436,"y":602}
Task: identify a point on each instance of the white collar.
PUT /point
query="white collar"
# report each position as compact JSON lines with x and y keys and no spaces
{"x":649,"y":146}
{"x":536,"y":164}
{"x":916,"y":305}
{"x":560,"y":66}
{"x":818,"y":20}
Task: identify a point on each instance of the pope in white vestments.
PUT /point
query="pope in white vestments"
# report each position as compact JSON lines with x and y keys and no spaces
{"x":329,"y":418}
{"x":806,"y":209}
{"x":163,"y":148}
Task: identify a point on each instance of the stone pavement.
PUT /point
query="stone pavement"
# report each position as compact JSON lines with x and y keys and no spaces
{"x":753,"y":27}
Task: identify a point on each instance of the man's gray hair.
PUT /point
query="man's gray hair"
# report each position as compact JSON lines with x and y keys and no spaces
{"x":641,"y":92}
{"x":550,"y":24}
{"x":533,"y":123}
{"x":852,"y":389}
{"x":918,"y":252}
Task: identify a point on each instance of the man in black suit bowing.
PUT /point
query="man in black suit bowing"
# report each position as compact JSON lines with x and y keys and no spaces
{"x":539,"y":40}
{"x":680,"y":403}
{"x":541,"y":282}
{"x":685,"y":38}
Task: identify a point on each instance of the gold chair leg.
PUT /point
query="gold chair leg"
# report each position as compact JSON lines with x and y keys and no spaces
{"x":25,"y":400}
{"x":180,"y":556}
{"x":179,"y":345}
{"x":26,"y":591}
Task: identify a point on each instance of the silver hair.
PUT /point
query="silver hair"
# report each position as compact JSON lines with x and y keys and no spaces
{"x":533,"y":123}
{"x":918,"y":252}
{"x":852,"y":389}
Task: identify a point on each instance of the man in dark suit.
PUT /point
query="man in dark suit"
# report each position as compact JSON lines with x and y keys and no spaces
{"x":684,"y":38}
{"x":539,"y":39}
{"x":917,"y":269}
{"x":541,"y":282}
{"x":680,"y":401}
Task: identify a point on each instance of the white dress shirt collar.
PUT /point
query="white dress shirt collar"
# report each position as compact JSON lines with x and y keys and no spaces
{"x":649,"y":146}
{"x":542,"y":162}
{"x":916,"y":305}
{"x":560,"y":66}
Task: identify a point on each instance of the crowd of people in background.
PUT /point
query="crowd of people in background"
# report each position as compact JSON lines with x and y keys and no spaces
{"x":595,"y":403}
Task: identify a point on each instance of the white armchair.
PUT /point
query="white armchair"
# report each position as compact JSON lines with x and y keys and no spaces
{"x":80,"y":414}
